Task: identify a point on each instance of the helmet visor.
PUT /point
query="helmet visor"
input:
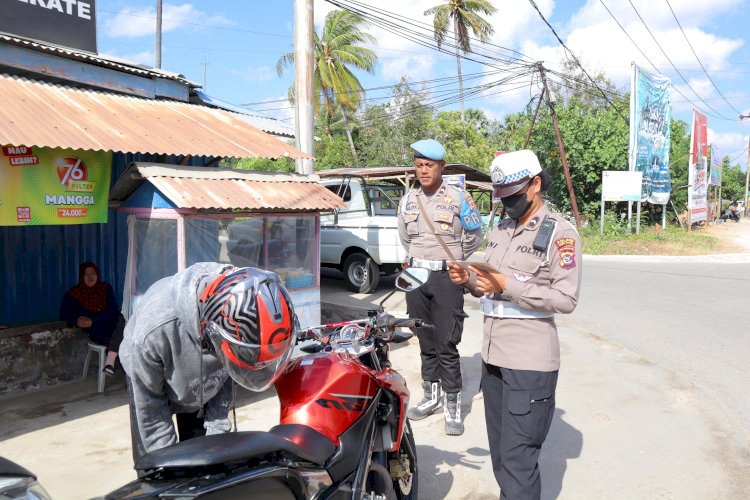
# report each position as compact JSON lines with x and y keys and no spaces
{"x":241,"y":359}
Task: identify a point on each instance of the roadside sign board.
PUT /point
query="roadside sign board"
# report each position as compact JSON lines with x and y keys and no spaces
{"x":619,"y":185}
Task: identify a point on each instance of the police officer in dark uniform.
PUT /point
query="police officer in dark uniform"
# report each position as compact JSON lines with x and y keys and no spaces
{"x":438,"y":223}
{"x":536,"y":260}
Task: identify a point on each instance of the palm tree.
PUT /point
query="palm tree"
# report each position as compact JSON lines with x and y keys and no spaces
{"x":337,"y":50}
{"x":464,"y":15}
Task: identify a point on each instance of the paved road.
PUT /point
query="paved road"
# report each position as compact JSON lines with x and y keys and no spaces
{"x":692,"y":318}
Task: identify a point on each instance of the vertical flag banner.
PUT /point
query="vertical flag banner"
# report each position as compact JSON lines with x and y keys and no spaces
{"x":698,"y":168}
{"x":649,"y":134}
{"x":715,"y":166}
{"x":46,"y":186}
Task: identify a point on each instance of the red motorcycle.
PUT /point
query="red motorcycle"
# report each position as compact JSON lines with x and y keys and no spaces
{"x":343,"y":431}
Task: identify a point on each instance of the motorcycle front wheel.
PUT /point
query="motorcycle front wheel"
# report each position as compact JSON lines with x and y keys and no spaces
{"x":403,"y":465}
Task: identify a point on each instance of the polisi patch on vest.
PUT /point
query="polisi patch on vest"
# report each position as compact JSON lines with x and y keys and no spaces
{"x":528,"y":249}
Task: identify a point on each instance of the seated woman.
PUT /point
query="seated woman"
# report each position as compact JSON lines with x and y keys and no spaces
{"x":91,"y":306}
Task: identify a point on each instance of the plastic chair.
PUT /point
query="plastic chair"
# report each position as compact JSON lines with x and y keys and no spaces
{"x":102,"y":351}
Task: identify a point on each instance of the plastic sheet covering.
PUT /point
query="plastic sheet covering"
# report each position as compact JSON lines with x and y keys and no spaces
{"x":156,"y":251}
{"x":283,"y":244}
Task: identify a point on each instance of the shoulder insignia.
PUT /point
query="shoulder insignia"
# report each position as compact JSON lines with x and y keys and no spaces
{"x":567,"y":249}
{"x":469,"y":200}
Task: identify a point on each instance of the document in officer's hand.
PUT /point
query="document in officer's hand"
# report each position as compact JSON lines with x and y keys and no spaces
{"x":480,"y":265}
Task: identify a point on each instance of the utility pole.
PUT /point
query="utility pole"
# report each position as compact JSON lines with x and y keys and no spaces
{"x":303,"y":83}
{"x":563,"y":157}
{"x":205,"y":71}
{"x":158,"y":35}
{"x":747,"y":170}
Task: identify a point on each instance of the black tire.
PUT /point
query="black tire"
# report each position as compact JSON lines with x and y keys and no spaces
{"x":361,"y":273}
{"x":407,"y":489}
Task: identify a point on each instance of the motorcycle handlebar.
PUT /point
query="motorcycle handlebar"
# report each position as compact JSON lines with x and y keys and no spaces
{"x":388,"y":321}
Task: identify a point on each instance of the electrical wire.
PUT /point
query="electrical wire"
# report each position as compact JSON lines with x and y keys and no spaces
{"x":675,"y":67}
{"x":533,"y":4}
{"x":698,"y":59}
{"x":650,"y":62}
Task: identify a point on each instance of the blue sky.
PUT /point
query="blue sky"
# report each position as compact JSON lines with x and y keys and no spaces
{"x":235,"y":46}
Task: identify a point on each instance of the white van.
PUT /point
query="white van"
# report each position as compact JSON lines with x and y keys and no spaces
{"x":354,"y":240}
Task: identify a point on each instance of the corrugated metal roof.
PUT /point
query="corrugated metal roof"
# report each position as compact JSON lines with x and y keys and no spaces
{"x":226,"y":189}
{"x":33,"y":113}
{"x":98,"y":59}
{"x":265,"y":123}
{"x":392,"y":171}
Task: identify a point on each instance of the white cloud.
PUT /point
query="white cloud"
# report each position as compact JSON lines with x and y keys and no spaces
{"x":145,"y":57}
{"x":727,"y":143}
{"x":260,"y":74}
{"x":278,"y":107}
{"x":130,"y":23}
{"x":416,"y":68}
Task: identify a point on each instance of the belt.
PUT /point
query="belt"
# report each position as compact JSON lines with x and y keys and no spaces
{"x":505,"y":309}
{"x":433,"y":265}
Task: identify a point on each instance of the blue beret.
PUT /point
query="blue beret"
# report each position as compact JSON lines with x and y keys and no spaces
{"x":430,"y":149}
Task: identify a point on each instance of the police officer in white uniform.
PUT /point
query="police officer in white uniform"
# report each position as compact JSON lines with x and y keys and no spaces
{"x":537,"y":254}
{"x":438,"y":223}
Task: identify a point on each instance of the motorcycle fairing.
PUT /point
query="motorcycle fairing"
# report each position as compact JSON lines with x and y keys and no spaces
{"x":394,"y":382}
{"x":351,"y":444}
{"x":326,"y":391}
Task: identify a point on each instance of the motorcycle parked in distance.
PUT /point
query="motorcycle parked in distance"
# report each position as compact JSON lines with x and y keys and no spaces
{"x":731,"y":213}
{"x":343,"y":431}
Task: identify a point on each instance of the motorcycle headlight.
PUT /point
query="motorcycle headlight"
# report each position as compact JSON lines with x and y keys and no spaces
{"x":22,"y":488}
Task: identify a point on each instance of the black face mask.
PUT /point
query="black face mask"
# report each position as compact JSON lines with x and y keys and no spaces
{"x":516,"y":205}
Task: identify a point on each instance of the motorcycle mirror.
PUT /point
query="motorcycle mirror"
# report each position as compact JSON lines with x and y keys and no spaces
{"x":412,"y":278}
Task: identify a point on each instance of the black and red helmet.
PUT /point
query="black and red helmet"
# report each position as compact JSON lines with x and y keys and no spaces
{"x":249,"y":318}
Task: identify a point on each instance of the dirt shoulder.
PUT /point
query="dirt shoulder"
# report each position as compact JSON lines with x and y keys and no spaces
{"x":732,"y":236}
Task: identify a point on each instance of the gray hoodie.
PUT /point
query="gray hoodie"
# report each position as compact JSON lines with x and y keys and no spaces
{"x":161,"y":353}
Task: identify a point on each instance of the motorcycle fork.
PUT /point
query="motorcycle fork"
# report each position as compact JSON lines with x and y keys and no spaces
{"x":363,"y":464}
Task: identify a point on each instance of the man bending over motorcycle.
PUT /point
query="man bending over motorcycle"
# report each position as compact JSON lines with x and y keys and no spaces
{"x":192,"y":333}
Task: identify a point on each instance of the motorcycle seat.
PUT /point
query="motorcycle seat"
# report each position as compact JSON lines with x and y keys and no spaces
{"x":291,"y":439}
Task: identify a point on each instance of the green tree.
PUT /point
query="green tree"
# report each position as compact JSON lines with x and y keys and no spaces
{"x":679,"y":157}
{"x":461,"y":16}
{"x":387,"y":130}
{"x":465,"y":142}
{"x":337,"y":51}
{"x":732,"y":181}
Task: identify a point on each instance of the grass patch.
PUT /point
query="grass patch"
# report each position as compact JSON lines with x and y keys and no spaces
{"x":669,"y":241}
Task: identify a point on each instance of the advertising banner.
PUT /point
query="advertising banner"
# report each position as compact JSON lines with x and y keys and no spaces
{"x":45,"y":186}
{"x":649,"y":134}
{"x":698,"y":168}
{"x":715,"y":166}
{"x":68,"y":23}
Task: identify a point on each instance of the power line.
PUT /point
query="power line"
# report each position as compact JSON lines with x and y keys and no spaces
{"x":430,"y":29}
{"x":698,"y":59}
{"x":649,"y":60}
{"x":533,"y":4}
{"x":384,"y":87}
{"x":673,"y":66}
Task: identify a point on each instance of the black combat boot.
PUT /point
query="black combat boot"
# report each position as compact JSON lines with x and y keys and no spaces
{"x":430,"y":404}
{"x":454,"y":425}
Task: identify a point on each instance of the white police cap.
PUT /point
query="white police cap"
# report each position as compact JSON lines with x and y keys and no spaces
{"x":511,"y":171}
{"x":429,"y":148}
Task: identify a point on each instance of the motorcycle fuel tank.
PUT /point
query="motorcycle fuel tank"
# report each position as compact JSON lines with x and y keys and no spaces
{"x":325,"y":391}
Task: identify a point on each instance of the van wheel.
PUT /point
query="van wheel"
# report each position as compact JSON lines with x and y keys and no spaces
{"x":361,"y":273}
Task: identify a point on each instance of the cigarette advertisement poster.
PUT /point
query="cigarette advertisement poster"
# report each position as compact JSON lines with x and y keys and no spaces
{"x":698,"y":168}
{"x":46,"y":186}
